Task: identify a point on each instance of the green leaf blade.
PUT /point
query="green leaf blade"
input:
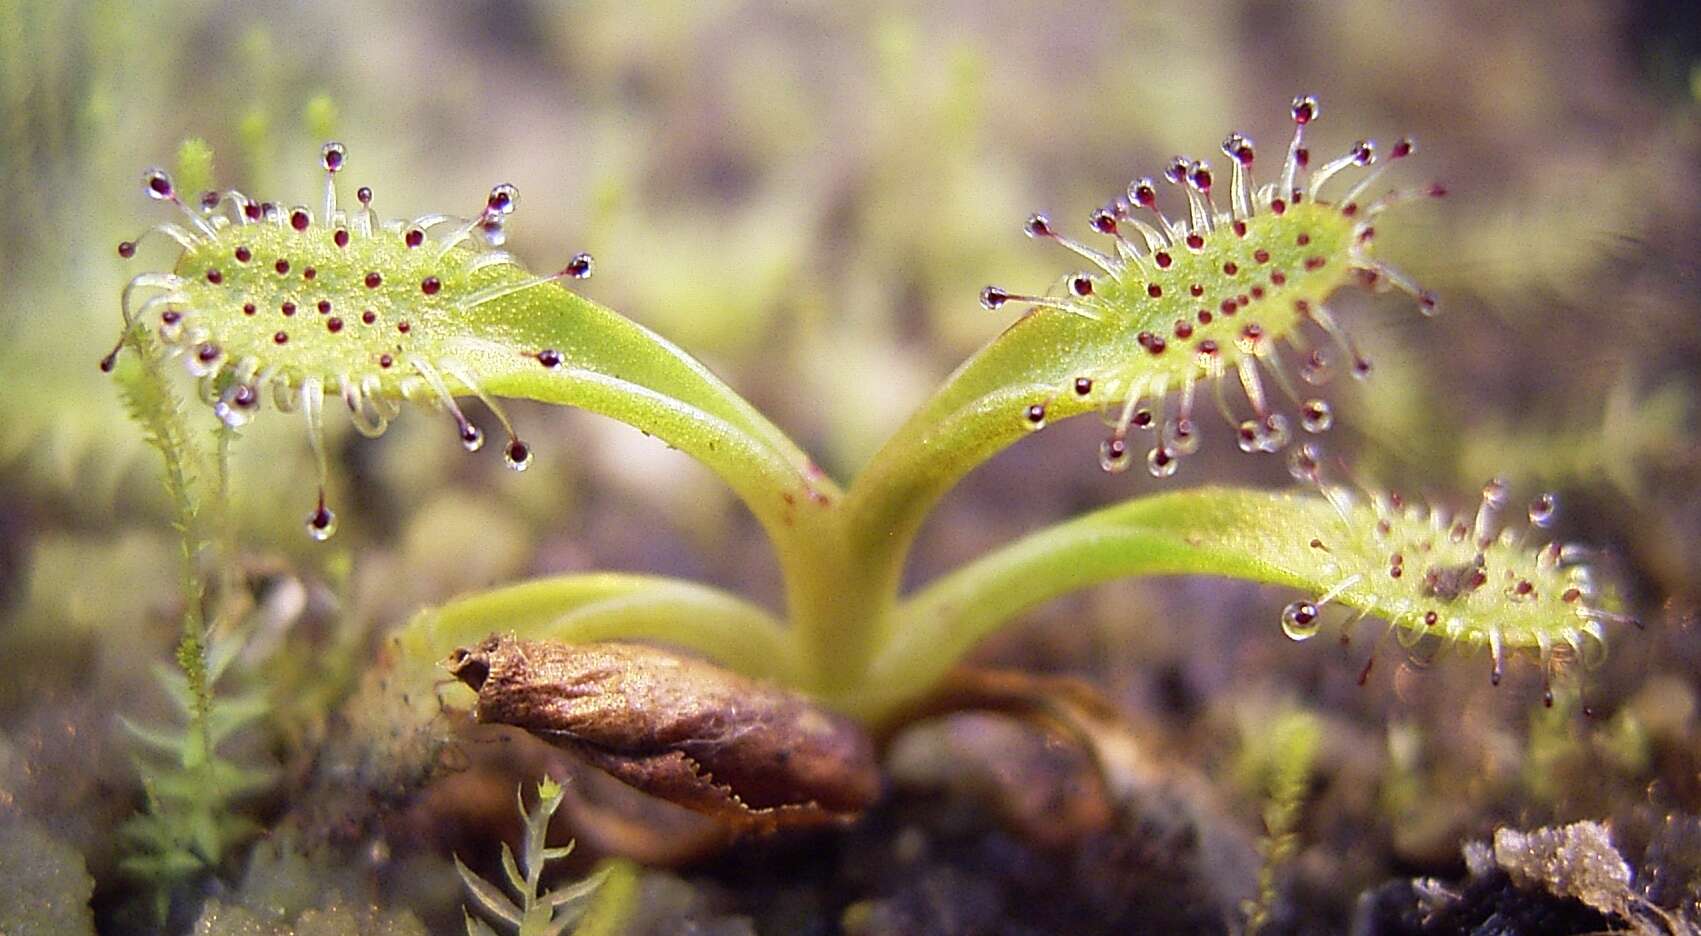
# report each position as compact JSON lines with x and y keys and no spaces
{"x":609,"y":606}
{"x":488,"y":897}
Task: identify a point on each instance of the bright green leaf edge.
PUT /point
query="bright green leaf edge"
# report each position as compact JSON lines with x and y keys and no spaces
{"x":618,"y":368}
{"x":610,"y":606}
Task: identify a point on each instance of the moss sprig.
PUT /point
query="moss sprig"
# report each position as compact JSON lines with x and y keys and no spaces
{"x":193,"y":818}
{"x":538,"y":912}
{"x":1277,"y":763}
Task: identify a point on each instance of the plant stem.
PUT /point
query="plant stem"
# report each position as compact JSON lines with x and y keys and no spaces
{"x":976,"y":414}
{"x":1201,"y":531}
{"x":835,"y":608}
{"x":154,"y":402}
{"x":617,"y":368}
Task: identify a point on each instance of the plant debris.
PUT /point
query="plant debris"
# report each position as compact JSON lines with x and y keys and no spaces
{"x":1577,"y":861}
{"x":683,"y":730}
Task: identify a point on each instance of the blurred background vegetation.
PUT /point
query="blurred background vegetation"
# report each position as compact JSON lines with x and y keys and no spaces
{"x":808,"y":195}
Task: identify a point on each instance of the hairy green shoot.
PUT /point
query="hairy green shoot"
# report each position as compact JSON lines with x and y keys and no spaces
{"x":1280,"y":754}
{"x":193,"y":821}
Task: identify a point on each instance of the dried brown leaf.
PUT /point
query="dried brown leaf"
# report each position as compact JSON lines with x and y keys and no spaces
{"x":750,"y":754}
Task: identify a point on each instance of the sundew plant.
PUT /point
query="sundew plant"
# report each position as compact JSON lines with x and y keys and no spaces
{"x":1209,"y":287}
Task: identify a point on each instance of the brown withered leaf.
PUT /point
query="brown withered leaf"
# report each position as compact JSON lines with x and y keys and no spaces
{"x":684,"y":730}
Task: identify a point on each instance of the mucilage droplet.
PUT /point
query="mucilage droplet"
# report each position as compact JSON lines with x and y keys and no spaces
{"x":1301,"y":620}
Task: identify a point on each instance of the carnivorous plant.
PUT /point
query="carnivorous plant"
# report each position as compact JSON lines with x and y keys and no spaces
{"x":1227,"y":295}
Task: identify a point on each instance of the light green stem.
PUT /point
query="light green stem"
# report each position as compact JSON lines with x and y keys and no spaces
{"x":1201,"y":531}
{"x":978,"y":413}
{"x":607,"y":606}
{"x":617,"y":368}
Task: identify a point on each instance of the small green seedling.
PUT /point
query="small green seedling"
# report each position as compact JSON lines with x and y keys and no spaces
{"x":1231,"y":293}
{"x":539,"y":913}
